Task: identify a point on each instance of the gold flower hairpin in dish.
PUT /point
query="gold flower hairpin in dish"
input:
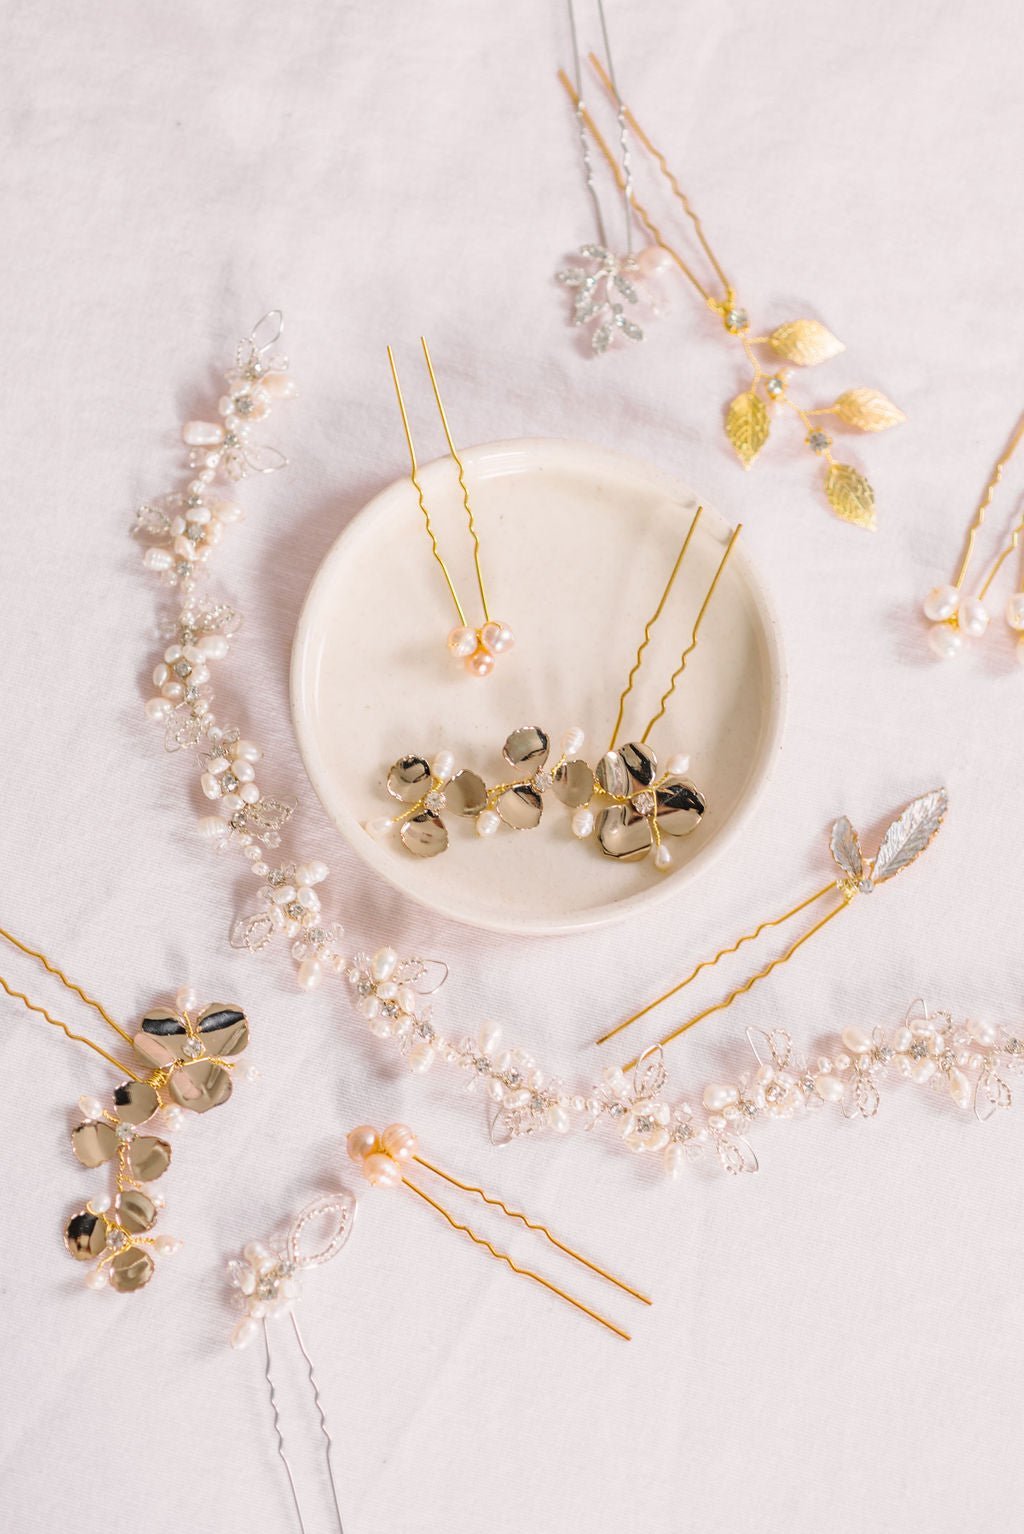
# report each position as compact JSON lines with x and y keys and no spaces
{"x":954,"y":616}
{"x":771,"y":357}
{"x":476,"y":646}
{"x":627,"y":801}
{"x":191,"y":1056}
{"x":903,"y":843}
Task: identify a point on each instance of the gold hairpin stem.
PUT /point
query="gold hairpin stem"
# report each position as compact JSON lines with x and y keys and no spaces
{"x":903,"y":843}
{"x":58,"y":1023}
{"x":385,"y":1158}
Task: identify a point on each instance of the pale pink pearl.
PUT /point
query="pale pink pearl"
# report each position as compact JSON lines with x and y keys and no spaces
{"x":497,"y":638}
{"x":278,"y":385}
{"x":202,"y":433}
{"x":399,"y":1141}
{"x":480,"y":663}
{"x":462,"y":642}
{"x":362,"y":1142}
{"x":381,"y":1171}
{"x":654,"y":261}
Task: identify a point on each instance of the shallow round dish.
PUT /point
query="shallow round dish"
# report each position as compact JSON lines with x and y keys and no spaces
{"x":577,"y":543}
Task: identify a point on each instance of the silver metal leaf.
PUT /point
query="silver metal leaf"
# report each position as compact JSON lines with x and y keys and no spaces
{"x":736,"y":1154}
{"x":626,"y":288}
{"x":845,"y":847}
{"x":601,"y":339}
{"x":572,"y":276}
{"x":629,"y":329}
{"x":909,"y":834}
{"x":595,"y":252}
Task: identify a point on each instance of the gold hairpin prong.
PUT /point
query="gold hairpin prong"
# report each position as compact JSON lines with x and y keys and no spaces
{"x":462,"y":479}
{"x":694,"y":635}
{"x":57,"y":1023}
{"x":53,"y":969}
{"x":986,"y":501}
{"x":649,"y":625}
{"x":414,"y":476}
{"x":535,"y":1225}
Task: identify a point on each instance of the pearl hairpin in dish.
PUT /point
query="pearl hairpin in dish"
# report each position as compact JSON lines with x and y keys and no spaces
{"x":191,"y":1056}
{"x":626,"y":800}
{"x":477,"y":648}
{"x":955,"y":617}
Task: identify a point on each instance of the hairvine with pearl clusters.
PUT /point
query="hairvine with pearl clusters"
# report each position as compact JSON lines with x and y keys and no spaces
{"x":626,"y":800}
{"x":604,"y":281}
{"x":189,"y":1057}
{"x":266,"y":1279}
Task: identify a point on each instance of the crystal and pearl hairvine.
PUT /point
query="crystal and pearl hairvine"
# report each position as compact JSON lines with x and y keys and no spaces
{"x":626,"y":800}
{"x":190,"y":1057}
{"x":801,"y":343}
{"x":477,"y":647}
{"x":954,"y":616}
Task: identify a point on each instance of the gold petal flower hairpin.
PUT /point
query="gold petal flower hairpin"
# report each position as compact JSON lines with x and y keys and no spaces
{"x":476,"y":646}
{"x":904,"y":841}
{"x":771,"y":357}
{"x":955,"y":617}
{"x":626,"y":800}
{"x":191,"y":1056}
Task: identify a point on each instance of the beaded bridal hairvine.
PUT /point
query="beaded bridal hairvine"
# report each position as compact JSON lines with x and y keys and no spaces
{"x":476,"y":647}
{"x":626,"y":800}
{"x":954,"y":616}
{"x":190,"y":1057}
{"x":801,"y":343}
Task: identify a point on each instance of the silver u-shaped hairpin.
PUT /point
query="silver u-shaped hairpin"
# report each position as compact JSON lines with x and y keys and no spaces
{"x":267,"y":1282}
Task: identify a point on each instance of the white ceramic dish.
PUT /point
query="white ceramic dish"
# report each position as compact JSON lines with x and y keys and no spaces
{"x":577,"y":544}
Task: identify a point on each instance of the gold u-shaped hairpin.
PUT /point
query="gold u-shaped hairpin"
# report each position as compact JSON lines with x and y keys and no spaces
{"x":384,"y":1158}
{"x":475,"y":647}
{"x":190,"y":1056}
{"x":904,"y":841}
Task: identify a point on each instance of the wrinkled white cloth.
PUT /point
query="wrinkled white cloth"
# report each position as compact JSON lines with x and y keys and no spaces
{"x":834,"y":1342}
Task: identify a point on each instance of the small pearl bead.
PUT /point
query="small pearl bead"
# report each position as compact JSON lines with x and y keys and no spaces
{"x":497,"y":638}
{"x":558,"y":1119}
{"x":462,"y":642}
{"x":678,"y":766}
{"x":202,"y":433}
{"x":480,"y":663}
{"x":830,"y":1088}
{"x":213,"y":827}
{"x":380,"y":1171}
{"x":186,"y":999}
{"x":487,"y":822}
{"x":249,"y":793}
{"x":256,"y":1253}
{"x":572,"y":742}
{"x":101,"y":1205}
{"x":973,"y":617}
{"x":675,"y":1159}
{"x":582,"y":822}
{"x":167,"y":1245}
{"x":92,"y":1108}
{"x":654,"y":261}
{"x":157,"y":708}
{"x":945,"y":642}
{"x":382,"y":965}
{"x":856,"y":1041}
{"x":489,"y":1037}
{"x":96,"y":1278}
{"x":213,"y":646}
{"x":399,"y":1142}
{"x":380,"y":828}
{"x":662,"y":857}
{"x":1015,"y":611}
{"x":310,"y":974}
{"x":421,"y":1058}
{"x":210,"y":785}
{"x":443,"y":765}
{"x":361,"y":1142}
{"x":719,"y":1096}
{"x":279,"y":385}
{"x":244,"y":1332}
{"x":959,"y":1088}
{"x":941,"y":603}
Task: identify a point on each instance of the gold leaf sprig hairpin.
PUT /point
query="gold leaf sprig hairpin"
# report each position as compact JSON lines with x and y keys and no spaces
{"x":626,"y":800}
{"x":955,"y":617}
{"x":800,"y":343}
{"x":191,"y":1056}
{"x":904,"y":841}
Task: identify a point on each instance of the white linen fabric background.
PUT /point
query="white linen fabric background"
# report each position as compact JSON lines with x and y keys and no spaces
{"x":836,"y":1341}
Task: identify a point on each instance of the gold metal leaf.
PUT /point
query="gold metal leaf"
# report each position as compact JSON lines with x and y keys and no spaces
{"x":868,"y":410}
{"x":747,"y":426}
{"x":805,"y":342}
{"x":851,"y":497}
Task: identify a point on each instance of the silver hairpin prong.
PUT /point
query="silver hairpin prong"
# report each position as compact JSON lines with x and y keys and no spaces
{"x":323,"y":1418}
{"x":268,"y":1376}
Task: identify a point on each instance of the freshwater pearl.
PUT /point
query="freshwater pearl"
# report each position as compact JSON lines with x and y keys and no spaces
{"x":380,"y":828}
{"x":662,"y":857}
{"x":310,"y":974}
{"x":102,"y":1204}
{"x":487,"y":822}
{"x":856,"y":1041}
{"x":158,"y":559}
{"x":96,"y":1278}
{"x":497,"y":638}
{"x":279,"y":385}
{"x":582,"y":822}
{"x":558,"y":1119}
{"x":718,"y":1096}
{"x":675,"y":1159}
{"x":202,"y":433}
{"x":959,"y":1088}
{"x":382,"y":965}
{"x":945,"y":642}
{"x":572,"y":742}
{"x":462,"y":642}
{"x":157,"y":708}
{"x":489,"y":1037}
{"x":480,"y":663}
{"x":212,"y":827}
{"x":399,"y":1142}
{"x":167,"y":1245}
{"x":226,"y":511}
{"x":1015,"y":611}
{"x":973,"y":617}
{"x":678,"y":766}
{"x":984,"y":1033}
{"x":381,"y":1171}
{"x":361,"y":1142}
{"x":653,"y":261}
{"x":443,"y":765}
{"x":210,"y":785}
{"x":249,"y":793}
{"x":831,"y":1088}
{"x":941,"y":603}
{"x":244,"y":1332}
{"x":92,"y":1108}
{"x":421,"y":1058}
